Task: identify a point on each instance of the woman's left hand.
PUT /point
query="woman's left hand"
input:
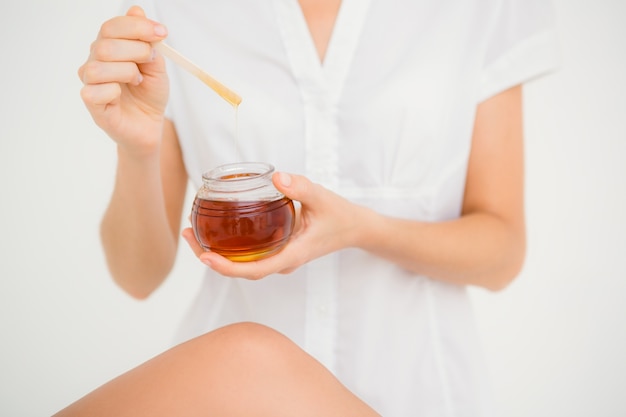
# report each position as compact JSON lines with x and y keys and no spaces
{"x":326,"y":223}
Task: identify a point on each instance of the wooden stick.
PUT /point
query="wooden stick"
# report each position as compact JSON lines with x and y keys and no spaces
{"x":230,"y":96}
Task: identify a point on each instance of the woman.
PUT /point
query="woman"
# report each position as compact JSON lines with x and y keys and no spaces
{"x":400,"y":125}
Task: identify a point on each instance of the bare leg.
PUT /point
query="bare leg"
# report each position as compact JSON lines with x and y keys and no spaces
{"x":244,"y":369}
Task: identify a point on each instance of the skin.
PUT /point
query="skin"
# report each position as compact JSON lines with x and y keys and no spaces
{"x":244,"y":369}
{"x":320,"y":17}
{"x":126,"y":90}
{"x":484,"y":247}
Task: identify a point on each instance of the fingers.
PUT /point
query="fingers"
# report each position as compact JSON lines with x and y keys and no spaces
{"x":135,"y":11}
{"x":123,"y":39}
{"x":296,"y":187}
{"x":107,"y":72}
{"x":121,"y":50}
{"x":134,"y":25}
{"x":102,"y":83}
{"x":113,"y":60}
{"x":291,"y":257}
{"x":250,"y":270}
{"x":100,"y":94}
{"x":296,"y":253}
{"x":190,"y":238}
{"x":285,"y":261}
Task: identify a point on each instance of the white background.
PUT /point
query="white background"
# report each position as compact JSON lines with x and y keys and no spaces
{"x":555,"y":339}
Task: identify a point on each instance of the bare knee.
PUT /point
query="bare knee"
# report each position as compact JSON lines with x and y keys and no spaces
{"x":247,"y":342}
{"x":243,"y":333}
{"x":247,"y":329}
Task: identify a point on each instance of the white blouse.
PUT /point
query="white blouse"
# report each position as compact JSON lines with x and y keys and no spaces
{"x":385,"y":121}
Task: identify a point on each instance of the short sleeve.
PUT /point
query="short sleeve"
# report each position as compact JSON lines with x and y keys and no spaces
{"x":522,"y":45}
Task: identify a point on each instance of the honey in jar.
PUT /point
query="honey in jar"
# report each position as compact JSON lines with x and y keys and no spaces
{"x":239,"y":214}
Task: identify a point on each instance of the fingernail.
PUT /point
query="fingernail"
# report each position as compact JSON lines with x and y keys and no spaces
{"x":154,"y":52}
{"x":139,"y":79}
{"x":285,"y":179}
{"x":160,"y":30}
{"x":206,"y":262}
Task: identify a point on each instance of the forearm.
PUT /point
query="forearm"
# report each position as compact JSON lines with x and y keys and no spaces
{"x":477,"y":249}
{"x":138,"y":242}
{"x":486,"y":245}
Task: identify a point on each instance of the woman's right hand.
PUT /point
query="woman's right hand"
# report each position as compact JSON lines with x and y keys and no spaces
{"x":125,"y":83}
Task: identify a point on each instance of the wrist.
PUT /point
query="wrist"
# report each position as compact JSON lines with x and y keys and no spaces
{"x":142,"y":140}
{"x":368,"y":227}
{"x":145,"y":147}
{"x":130,"y":159}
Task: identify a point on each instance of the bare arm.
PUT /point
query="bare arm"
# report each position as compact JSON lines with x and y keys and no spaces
{"x":140,"y":228}
{"x":126,"y":90}
{"x":484,"y":247}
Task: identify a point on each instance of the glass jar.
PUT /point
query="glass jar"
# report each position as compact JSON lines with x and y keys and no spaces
{"x":239,"y":214}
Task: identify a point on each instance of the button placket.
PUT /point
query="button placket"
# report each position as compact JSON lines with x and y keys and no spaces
{"x":320,"y":89}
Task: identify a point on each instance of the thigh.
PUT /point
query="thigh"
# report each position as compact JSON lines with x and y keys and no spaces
{"x":244,"y":369}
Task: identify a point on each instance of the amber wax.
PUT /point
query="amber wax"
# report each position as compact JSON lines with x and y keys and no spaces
{"x":239,"y":214}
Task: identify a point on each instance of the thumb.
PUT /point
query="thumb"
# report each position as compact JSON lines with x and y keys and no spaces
{"x":295,"y":187}
{"x":136,"y":11}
